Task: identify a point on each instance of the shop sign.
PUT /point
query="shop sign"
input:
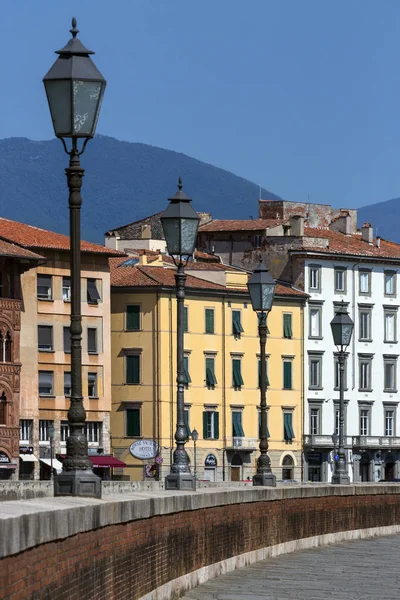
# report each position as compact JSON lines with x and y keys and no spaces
{"x":144,"y":449}
{"x":211,"y":460}
{"x":26,"y":449}
{"x":4,"y":458}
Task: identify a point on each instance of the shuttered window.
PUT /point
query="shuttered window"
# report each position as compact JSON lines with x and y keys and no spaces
{"x":237,"y":328}
{"x":133,"y":317}
{"x":211,"y":380}
{"x":287,"y":326}
{"x":93,"y":295}
{"x":132,"y":369}
{"x":133,"y":422}
{"x":186,"y":375}
{"x":237,"y":428}
{"x":287,"y":375}
{"x":237,"y":378}
{"x":209,"y":315}
{"x":45,"y":338}
{"x":92,"y":340}
{"x":67,"y":340}
{"x":288,"y":427}
{"x":210,"y":425}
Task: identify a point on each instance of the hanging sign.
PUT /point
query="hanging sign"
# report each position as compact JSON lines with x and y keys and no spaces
{"x":4,"y":458}
{"x":210,"y":460}
{"x":144,"y":449}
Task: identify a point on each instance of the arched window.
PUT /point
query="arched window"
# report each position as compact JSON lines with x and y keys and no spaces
{"x":5,"y":346}
{"x":287,"y":467}
{"x":3,"y":409}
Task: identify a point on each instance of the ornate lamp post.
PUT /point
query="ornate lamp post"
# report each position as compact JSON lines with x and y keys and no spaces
{"x":180,"y":223}
{"x":342,"y":329}
{"x":74,"y":89}
{"x":261,"y":286}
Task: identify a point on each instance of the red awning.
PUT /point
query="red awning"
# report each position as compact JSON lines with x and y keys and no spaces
{"x":106,"y":462}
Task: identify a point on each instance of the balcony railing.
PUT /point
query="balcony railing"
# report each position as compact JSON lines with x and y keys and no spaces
{"x":374,"y":441}
{"x":323,"y":441}
{"x":242,"y":443}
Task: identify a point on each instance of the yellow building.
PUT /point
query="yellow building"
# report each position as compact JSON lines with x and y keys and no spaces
{"x":222,"y":393}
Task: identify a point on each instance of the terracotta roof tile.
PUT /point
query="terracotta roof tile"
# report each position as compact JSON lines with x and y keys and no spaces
{"x":339,"y":243}
{"x":29,"y":236}
{"x":8,"y":249}
{"x":242,"y":225}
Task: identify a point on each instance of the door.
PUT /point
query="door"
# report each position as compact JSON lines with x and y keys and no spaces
{"x":364,"y":469}
{"x":209,"y":473}
{"x":235,"y":473}
{"x":389,"y":471}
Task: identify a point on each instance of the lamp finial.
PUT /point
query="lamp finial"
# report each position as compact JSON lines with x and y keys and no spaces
{"x":74,"y":30}
{"x":180,"y":183}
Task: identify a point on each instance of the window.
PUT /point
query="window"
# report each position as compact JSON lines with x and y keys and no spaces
{"x":3,"y":409}
{"x":389,"y":421}
{"x":93,"y":432}
{"x":257,"y":241}
{"x":315,"y":367}
{"x":237,"y":427}
{"x":93,"y":295}
{"x":390,"y":318}
{"x":25,"y":430}
{"x":336,"y":416}
{"x":209,"y":317}
{"x":287,"y":374}
{"x":287,"y":468}
{"x":133,"y":369}
{"x":237,"y":379}
{"x":67,"y":383}
{"x":92,"y":340}
{"x":44,"y":287}
{"x":315,"y":321}
{"x":45,"y":338}
{"x":287,"y":325}
{"x":365,"y":364}
{"x":364,"y":421}
{"x":45,"y":383}
{"x":259,"y":373}
{"x":64,"y":431}
{"x":314,"y":278}
{"x":288,"y":433}
{"x":340,"y":280}
{"x":66,"y":289}
{"x":133,"y":317}
{"x":364,"y":282}
{"x":337,"y":374}
{"x":237,"y":328}
{"x":92,"y":385}
{"x":364,"y":316}
{"x":67,"y":340}
{"x":186,"y":422}
{"x":211,"y":380}
{"x":133,"y":422}
{"x":44,"y":428}
{"x":185,"y":319}
{"x":5,"y":347}
{"x":259,"y":425}
{"x":390,"y":379}
{"x":210,"y":425}
{"x":186,"y":375}
{"x":390,"y":283}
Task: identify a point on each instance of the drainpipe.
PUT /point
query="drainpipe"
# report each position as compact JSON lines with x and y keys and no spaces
{"x":157,"y":378}
{"x":353,"y":342}
{"x":171,"y":382}
{"x":223,"y":388}
{"x":302,"y":407}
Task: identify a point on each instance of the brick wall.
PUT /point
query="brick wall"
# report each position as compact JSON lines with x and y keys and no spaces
{"x":128,"y":560}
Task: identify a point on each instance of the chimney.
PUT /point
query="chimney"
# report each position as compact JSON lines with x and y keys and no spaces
{"x":297,"y":226}
{"x":367,"y":233}
{"x":143,"y":259}
{"x":378,"y":241}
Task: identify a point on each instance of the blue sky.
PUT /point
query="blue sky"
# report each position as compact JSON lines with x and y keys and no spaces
{"x":301,"y":96}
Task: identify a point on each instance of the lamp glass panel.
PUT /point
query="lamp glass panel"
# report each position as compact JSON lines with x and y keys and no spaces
{"x":171,"y":234}
{"x":347,"y":330}
{"x":267,"y":296}
{"x":59,"y":97}
{"x":188,"y":236}
{"x":86,"y":98}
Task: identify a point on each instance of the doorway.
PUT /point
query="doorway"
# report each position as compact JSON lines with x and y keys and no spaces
{"x":364,"y":468}
{"x":287,"y":468}
{"x":236,"y":467}
{"x":389,"y":471}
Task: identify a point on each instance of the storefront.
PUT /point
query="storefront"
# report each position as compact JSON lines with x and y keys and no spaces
{"x":27,"y":462}
{"x":210,"y":467}
{"x":7,"y":468}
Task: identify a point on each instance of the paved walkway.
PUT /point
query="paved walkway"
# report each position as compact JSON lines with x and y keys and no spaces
{"x":366,"y":569}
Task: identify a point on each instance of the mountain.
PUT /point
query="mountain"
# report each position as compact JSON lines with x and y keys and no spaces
{"x":384,"y":218}
{"x":123,"y":182}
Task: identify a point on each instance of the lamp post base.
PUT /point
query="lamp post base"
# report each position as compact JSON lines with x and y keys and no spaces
{"x":341,"y":479}
{"x":264,"y":478}
{"x":77,"y":483}
{"x":180,"y":481}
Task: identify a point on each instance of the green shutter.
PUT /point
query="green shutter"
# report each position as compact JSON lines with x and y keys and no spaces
{"x":237,"y":328}
{"x":205,"y":425}
{"x":133,"y":422}
{"x":216,"y":426}
{"x":186,"y":421}
{"x":237,"y":424}
{"x":186,"y":376}
{"x":209,"y":320}
{"x":288,"y":428}
{"x":133,"y":369}
{"x":287,"y":375}
{"x":259,"y":373}
{"x":210,"y":373}
{"x":133,"y":317}
{"x":236,"y":373}
{"x":185,"y":319}
{"x":287,"y":326}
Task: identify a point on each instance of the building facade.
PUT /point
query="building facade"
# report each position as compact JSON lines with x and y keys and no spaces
{"x":221,"y":370}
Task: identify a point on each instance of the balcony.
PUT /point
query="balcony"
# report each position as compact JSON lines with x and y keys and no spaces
{"x":323,"y":441}
{"x":376,"y":441}
{"x":242,"y":443}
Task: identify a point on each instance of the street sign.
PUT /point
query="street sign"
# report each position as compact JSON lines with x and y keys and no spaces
{"x":144,"y":449}
{"x":159,"y":460}
{"x":336,"y":456}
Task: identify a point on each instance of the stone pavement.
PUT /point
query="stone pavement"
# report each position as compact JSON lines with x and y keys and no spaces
{"x":365,"y":569}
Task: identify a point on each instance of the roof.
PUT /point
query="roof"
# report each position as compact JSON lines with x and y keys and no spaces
{"x":283,"y":290}
{"x":14,"y":251}
{"x":240,"y":225}
{"x":133,"y":231}
{"x":29,"y":236}
{"x":353,"y":244}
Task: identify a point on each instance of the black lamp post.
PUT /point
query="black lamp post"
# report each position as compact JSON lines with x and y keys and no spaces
{"x":180,"y":223}
{"x":195,"y":437}
{"x":342,"y":329}
{"x":74,"y":89}
{"x":261,"y":286}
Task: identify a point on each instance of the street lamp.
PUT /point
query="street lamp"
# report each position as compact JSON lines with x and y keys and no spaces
{"x":195,"y":437}
{"x":180,"y":223}
{"x":342,"y":329}
{"x":74,"y":89}
{"x":261,"y":286}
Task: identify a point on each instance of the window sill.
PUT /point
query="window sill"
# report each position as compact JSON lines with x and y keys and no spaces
{"x":93,"y":353}
{"x":315,"y":387}
{"x":69,"y":301}
{"x":315,"y":337}
{"x":94,"y":397}
{"x":136,"y":330}
{"x":369,"y":340}
{"x":45,"y":299}
{"x":342,"y":292}
{"x":390,"y":341}
{"x":129,"y":437}
{"x":136,"y":383}
{"x":287,"y":389}
{"x":93,"y":303}
{"x":386,"y":391}
{"x":47,"y":351}
{"x":365,"y":389}
{"x":46,"y":396}
{"x":337,"y":389}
